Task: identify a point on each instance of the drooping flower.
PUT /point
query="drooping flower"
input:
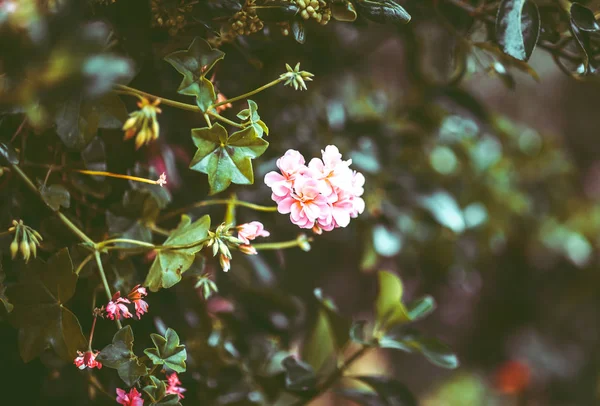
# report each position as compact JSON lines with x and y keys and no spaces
{"x":173,"y":387}
{"x":136,"y":295}
{"x":323,"y":195}
{"x":249,"y":231}
{"x":116,"y":306}
{"x":87,"y":360}
{"x":143,"y":123}
{"x":133,"y":398}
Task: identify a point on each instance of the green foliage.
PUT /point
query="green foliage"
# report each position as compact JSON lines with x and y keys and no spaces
{"x":119,"y":355}
{"x":582,"y":24}
{"x":250,"y":116}
{"x":167,"y":351}
{"x":39,"y":308}
{"x":170,"y":264}
{"x":226,"y":158}
{"x":383,"y":11}
{"x":518,"y":27}
{"x":387,"y":392}
{"x":299,"y":376}
{"x":409,"y":341}
{"x":56,"y":196}
{"x":389,"y":308}
{"x":194,"y":64}
{"x":156,"y":390}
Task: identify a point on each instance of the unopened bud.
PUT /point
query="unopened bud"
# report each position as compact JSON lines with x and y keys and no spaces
{"x":25,"y":251}
{"x":303,"y":242}
{"x":33,"y":248}
{"x":14,"y":248}
{"x":247,"y":249}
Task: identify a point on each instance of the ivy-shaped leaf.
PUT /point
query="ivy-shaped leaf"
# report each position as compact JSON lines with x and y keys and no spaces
{"x":250,"y":115}
{"x":383,"y":11}
{"x":226,"y":159}
{"x":168,"y":351}
{"x":194,"y":63}
{"x":168,"y":265}
{"x":119,"y":355}
{"x":3,"y":299}
{"x":157,"y":392}
{"x":518,"y":27}
{"x":56,"y":196}
{"x":39,"y":308}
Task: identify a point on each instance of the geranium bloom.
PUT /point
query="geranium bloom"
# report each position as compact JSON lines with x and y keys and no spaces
{"x":323,"y":195}
{"x":87,"y":359}
{"x":250,"y":231}
{"x":115,"y":307}
{"x":173,"y":385}
{"x":136,"y":295}
{"x":133,"y":398}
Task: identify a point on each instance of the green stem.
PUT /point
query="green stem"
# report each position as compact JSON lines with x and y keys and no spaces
{"x":246,"y":95}
{"x":84,"y":263}
{"x":217,"y":116}
{"x":277,"y":245}
{"x":105,"y":282}
{"x":92,"y":333}
{"x":205,"y":203}
{"x":122,"y":89}
{"x":125,"y":241}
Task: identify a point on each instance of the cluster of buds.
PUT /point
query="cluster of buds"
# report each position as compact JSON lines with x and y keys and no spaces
{"x":143,"y":123}
{"x":315,"y":9}
{"x":246,"y":22}
{"x":26,"y":240}
{"x":222,"y":240}
{"x":206,"y":285}
{"x":295,"y":77}
{"x":170,"y":16}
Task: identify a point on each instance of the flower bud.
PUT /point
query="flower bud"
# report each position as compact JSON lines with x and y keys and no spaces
{"x":14,"y":248}
{"x":25,"y":251}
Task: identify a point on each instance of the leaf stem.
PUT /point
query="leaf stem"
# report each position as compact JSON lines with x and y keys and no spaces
{"x":104,"y":243}
{"x":105,"y":282}
{"x":205,"y":203}
{"x":122,"y":89}
{"x":84,"y":263}
{"x":246,"y":95}
{"x":278,"y":245}
{"x":219,"y":117}
{"x":92,"y":333}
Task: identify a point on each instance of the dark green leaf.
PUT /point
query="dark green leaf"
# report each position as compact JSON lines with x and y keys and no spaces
{"x":167,"y":351}
{"x":111,"y":111}
{"x":299,"y":376}
{"x":518,"y":27}
{"x":125,"y":227}
{"x":194,"y":63}
{"x":363,"y":398}
{"x":76,"y":123}
{"x":168,"y":265}
{"x":383,"y":11}
{"x":432,"y":349}
{"x":39,"y":308}
{"x":224,"y":158}
{"x":319,"y":348}
{"x":582,"y":36}
{"x":119,"y":355}
{"x":102,"y":71}
{"x":3,"y":299}
{"x":358,"y":333}
{"x":421,"y":308}
{"x":277,"y":11}
{"x":156,"y":390}
{"x":340,"y":325}
{"x":391,"y":391}
{"x":389,"y":309}
{"x":298,"y":31}
{"x":343,"y":11}
{"x":584,"y":18}
{"x":160,"y":194}
{"x":250,"y":115}
{"x":56,"y":196}
{"x":8,"y":153}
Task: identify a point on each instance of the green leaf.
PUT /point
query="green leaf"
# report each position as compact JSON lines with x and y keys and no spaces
{"x":3,"y":299}
{"x":581,"y":26}
{"x":584,"y":18}
{"x":39,"y":308}
{"x":156,"y":390}
{"x":111,"y":111}
{"x":383,"y":11}
{"x":299,"y":376}
{"x":343,"y":11}
{"x":8,"y":153}
{"x":340,"y":325}
{"x":319,"y":348}
{"x":160,"y":194}
{"x":119,"y":355}
{"x":434,"y":350}
{"x":518,"y":27}
{"x":391,"y":391}
{"x":168,"y":352}
{"x":194,"y":63}
{"x":76,"y":123}
{"x":298,"y":31}
{"x":421,"y":308}
{"x":226,"y":159}
{"x":359,"y":335}
{"x":250,"y":115}
{"x":389,"y":309}
{"x":56,"y":196}
{"x":168,"y":265}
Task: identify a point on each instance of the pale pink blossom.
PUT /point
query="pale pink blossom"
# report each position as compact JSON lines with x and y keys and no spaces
{"x":133,"y":398}
{"x":136,"y":295}
{"x":250,"y":231}
{"x":87,"y":360}
{"x":323,"y":195}
{"x":173,"y":385}
{"x":116,"y":306}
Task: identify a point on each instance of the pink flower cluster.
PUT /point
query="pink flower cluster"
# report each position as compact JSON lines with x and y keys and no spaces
{"x":87,"y":359}
{"x":173,"y":385}
{"x":116,"y":308}
{"x":133,"y":398}
{"x":323,"y":195}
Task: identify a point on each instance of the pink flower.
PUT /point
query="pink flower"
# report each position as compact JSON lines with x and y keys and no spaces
{"x":247,"y":249}
{"x":115,"y":307}
{"x":250,"y":231}
{"x":133,"y":398}
{"x":136,"y":295}
{"x":173,"y":385}
{"x":323,"y":195}
{"x":87,"y":359}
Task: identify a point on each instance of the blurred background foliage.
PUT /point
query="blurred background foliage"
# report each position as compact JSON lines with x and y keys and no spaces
{"x":482,"y":189}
